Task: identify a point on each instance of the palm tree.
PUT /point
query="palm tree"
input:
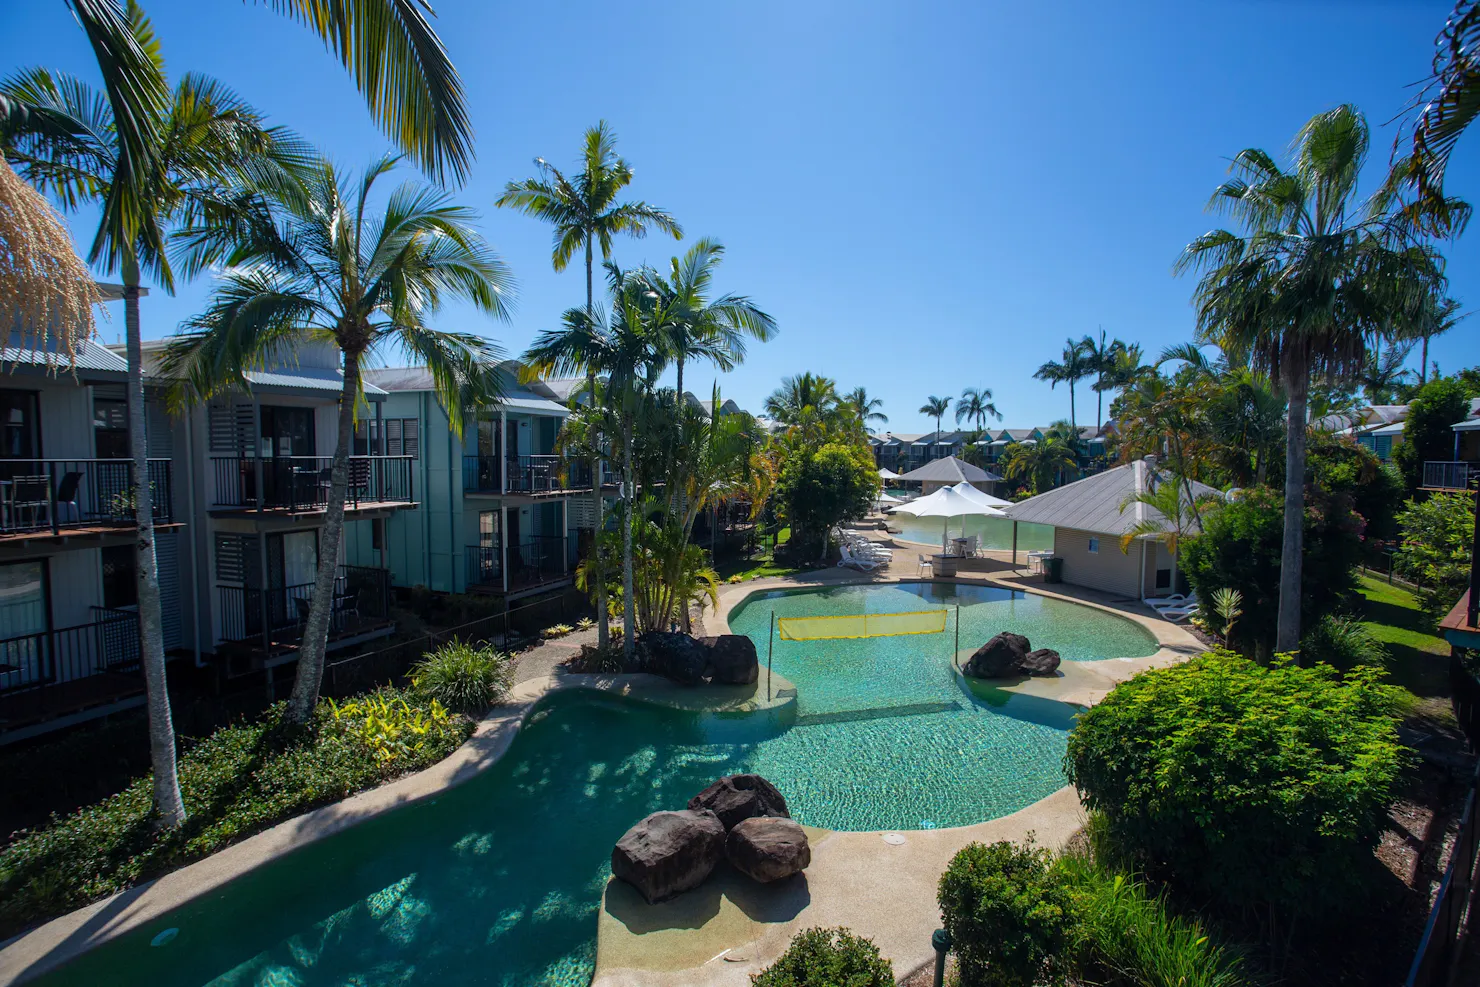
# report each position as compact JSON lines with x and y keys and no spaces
{"x":1172,"y":518}
{"x":584,"y":211}
{"x":1383,"y":374}
{"x":167,"y":164}
{"x":936,"y":408}
{"x":865,"y":407}
{"x":1453,"y":99}
{"x":1246,"y":419}
{"x":389,"y":47}
{"x":692,"y":325}
{"x":1101,"y":358}
{"x":1039,"y":463}
{"x":1075,"y":366}
{"x":321,"y":263}
{"x":975,"y":405}
{"x":1439,"y":317}
{"x":1304,"y":286}
{"x":789,"y":402}
{"x":1124,"y":370}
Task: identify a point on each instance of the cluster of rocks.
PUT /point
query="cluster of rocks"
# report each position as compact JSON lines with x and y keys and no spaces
{"x":727,"y":659}
{"x":741,"y":818}
{"x":1008,"y":655}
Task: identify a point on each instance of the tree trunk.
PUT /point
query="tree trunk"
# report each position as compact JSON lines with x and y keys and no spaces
{"x":1073,"y":420}
{"x":629,"y":601}
{"x":679,"y":386}
{"x":598,"y":505}
{"x":1423,"y":363}
{"x":1287,"y":633}
{"x":169,"y":807}
{"x":315,"y":640}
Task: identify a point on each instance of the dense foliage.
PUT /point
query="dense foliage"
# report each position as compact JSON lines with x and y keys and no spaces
{"x":1240,"y":548}
{"x":1438,"y":538}
{"x":238,"y":781}
{"x":817,"y":490}
{"x":464,"y":677}
{"x":1339,"y":466}
{"x":1342,"y":642}
{"x":1258,"y":789}
{"x":827,"y":958}
{"x":1427,"y":431}
{"x":1009,"y":915}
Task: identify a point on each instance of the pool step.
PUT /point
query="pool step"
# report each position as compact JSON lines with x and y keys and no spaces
{"x":879,"y":713}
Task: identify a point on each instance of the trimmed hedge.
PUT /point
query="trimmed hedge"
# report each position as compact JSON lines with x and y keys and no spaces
{"x":238,"y":781}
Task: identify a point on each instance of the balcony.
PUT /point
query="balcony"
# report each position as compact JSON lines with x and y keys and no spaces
{"x":56,"y":673}
{"x":1450,"y":475}
{"x":362,"y":599}
{"x":54,"y":497}
{"x":301,"y":484}
{"x":535,"y":561}
{"x":531,"y":475}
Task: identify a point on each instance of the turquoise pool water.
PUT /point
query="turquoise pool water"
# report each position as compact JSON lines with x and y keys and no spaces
{"x":991,"y":532}
{"x":499,"y":881}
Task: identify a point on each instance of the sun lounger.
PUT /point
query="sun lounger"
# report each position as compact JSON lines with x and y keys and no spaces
{"x":854,"y":562}
{"x":1175,"y":600}
{"x":1178,"y":614}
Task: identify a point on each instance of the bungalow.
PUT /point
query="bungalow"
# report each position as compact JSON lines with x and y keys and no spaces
{"x":1088,"y":523}
{"x":1456,"y":474}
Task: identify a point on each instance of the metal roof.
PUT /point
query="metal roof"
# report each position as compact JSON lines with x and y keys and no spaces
{"x":420,"y":379}
{"x":307,"y":379}
{"x":1093,"y":503}
{"x":91,"y":355}
{"x":950,"y":470}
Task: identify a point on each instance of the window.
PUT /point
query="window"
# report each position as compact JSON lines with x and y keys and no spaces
{"x":402,"y":437}
{"x":1384,"y":447}
{"x":1163,"y":579}
{"x":110,"y":422}
{"x":22,"y":606}
{"x":377,"y":534}
{"x":1094,"y":546}
{"x":19,"y":437}
{"x":120,"y":584}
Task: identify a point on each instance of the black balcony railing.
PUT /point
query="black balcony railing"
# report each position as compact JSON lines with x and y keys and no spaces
{"x":56,"y":495}
{"x":523,"y":474}
{"x":1449,"y":476}
{"x":303,"y":482}
{"x":533,"y":560}
{"x":50,"y":672}
{"x":361,"y":596}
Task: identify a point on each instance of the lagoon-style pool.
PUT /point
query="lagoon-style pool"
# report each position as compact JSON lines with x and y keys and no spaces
{"x":499,"y":881}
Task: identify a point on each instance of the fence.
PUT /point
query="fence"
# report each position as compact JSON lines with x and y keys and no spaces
{"x":358,"y":673}
{"x":304,"y":482}
{"x":60,"y":494}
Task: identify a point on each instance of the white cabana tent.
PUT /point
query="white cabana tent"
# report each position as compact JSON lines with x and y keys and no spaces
{"x":885,"y":473}
{"x":965,"y":489}
{"x":884,"y":500}
{"x":948,"y":503}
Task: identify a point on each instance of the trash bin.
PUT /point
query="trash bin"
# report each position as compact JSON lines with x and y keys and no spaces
{"x":1053,"y":570}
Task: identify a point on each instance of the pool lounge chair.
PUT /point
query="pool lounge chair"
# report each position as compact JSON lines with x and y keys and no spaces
{"x":854,"y":562}
{"x":1178,"y":614}
{"x":1174,"y":600}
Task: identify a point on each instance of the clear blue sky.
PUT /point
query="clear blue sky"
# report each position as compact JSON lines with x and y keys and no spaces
{"x":926,"y":197}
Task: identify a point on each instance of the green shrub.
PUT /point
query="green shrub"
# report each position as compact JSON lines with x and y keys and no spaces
{"x":463,"y":677}
{"x":1127,"y":935}
{"x":1427,"y":431}
{"x":1436,"y":549}
{"x":390,"y":728}
{"x":238,"y":781}
{"x":1343,"y":643}
{"x":1009,"y":915}
{"x":827,"y":958}
{"x":1253,"y":788}
{"x":593,"y":659}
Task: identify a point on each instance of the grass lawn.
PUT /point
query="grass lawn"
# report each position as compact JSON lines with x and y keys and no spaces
{"x":1420,"y":657}
{"x":759,"y":567}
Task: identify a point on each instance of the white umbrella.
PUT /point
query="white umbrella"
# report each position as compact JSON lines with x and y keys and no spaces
{"x":971,"y":493}
{"x":948,"y":502}
{"x":888,"y":474}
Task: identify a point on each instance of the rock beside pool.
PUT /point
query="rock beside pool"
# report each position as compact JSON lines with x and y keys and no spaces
{"x":735,"y":798}
{"x":1044,"y":661}
{"x":676,"y":656}
{"x":669,"y":853}
{"x":768,"y":849}
{"x":732,"y":659}
{"x":999,"y":658}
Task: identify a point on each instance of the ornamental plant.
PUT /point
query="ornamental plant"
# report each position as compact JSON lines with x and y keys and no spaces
{"x":827,"y":958}
{"x":1010,"y":916}
{"x":464,"y":677}
{"x":1260,"y":790}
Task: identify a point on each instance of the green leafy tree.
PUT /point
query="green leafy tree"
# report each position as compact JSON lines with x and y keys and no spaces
{"x":1260,"y":791}
{"x":320,"y":262}
{"x":1308,"y":282}
{"x":827,"y":958}
{"x":1428,"y":433}
{"x":584,"y":213}
{"x":1437,"y":548}
{"x":821,"y":489}
{"x":1073,"y":366}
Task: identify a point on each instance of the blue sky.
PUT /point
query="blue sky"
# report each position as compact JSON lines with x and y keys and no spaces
{"x":925,"y":196}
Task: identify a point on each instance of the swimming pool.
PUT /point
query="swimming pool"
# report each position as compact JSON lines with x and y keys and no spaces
{"x":991,"y":532}
{"x":500,"y":880}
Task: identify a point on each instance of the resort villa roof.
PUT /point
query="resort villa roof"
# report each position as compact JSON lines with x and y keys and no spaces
{"x":420,"y":379}
{"x":51,"y":357}
{"x":950,"y":470}
{"x":1093,"y":503}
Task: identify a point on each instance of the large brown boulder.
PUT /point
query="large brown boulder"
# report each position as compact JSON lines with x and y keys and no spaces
{"x":676,"y":656}
{"x":732,"y":659}
{"x":768,"y":849}
{"x":737,"y":797}
{"x":669,"y":853}
{"x":1044,"y":661}
{"x":999,"y":658}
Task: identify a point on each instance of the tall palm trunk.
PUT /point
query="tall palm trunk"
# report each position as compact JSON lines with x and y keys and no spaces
{"x":169,"y":807}
{"x":1073,"y":421}
{"x":679,"y":386}
{"x":1423,"y":363}
{"x":1297,"y":381}
{"x":629,"y":604}
{"x":598,"y":505}
{"x":315,"y":638}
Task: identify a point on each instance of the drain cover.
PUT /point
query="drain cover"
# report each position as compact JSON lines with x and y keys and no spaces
{"x":894,"y":839}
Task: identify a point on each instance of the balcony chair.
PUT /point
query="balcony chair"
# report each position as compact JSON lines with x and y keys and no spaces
{"x":68,"y":510}
{"x":30,"y":501}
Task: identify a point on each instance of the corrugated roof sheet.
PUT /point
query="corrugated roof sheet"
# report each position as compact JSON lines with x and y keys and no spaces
{"x":306,"y":379}
{"x":1093,"y":503}
{"x":420,"y":379}
{"x":91,"y":355}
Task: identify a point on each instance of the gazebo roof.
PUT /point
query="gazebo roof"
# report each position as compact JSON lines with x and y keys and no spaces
{"x":950,"y":470}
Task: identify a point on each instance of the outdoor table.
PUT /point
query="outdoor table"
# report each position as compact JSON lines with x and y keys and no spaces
{"x":944,"y":565}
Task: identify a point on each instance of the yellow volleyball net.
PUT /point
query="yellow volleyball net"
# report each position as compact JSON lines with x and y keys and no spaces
{"x":862,"y":625}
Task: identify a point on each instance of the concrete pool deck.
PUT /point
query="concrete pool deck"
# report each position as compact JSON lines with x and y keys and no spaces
{"x":882,"y":890}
